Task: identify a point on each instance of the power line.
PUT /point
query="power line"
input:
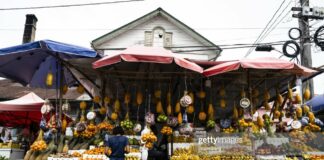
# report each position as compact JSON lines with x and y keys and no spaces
{"x":67,"y":5}
{"x":266,"y":34}
{"x":94,"y":29}
{"x":273,"y":16}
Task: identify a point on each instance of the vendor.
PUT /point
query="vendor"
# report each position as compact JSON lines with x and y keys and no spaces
{"x":158,"y":152}
{"x":118,"y":144}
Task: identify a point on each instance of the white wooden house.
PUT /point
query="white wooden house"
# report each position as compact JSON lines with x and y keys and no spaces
{"x":158,"y":28}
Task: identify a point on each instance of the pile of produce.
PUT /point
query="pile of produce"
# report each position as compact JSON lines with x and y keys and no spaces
{"x":38,"y":145}
{"x":149,"y":139}
{"x":98,"y":151}
{"x":162,"y":118}
{"x":166,"y":130}
{"x":127,"y":124}
{"x":105,"y":126}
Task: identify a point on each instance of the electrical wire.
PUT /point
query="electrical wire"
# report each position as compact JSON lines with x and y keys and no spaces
{"x":272,"y":27}
{"x":273,"y":16}
{"x":67,"y":5}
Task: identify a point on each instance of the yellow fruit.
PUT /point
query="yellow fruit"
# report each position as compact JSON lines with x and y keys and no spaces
{"x":127,"y":98}
{"x":222,"y":103}
{"x":280,"y":99}
{"x":243,"y":94}
{"x":266,"y":106}
{"x":255,"y":92}
{"x":114,"y":116}
{"x":210,"y":108}
{"x":159,"y":108}
{"x":80,"y":89}
{"x":192,"y":97}
{"x":139,"y":98}
{"x":157,"y":94}
{"x":117,"y":105}
{"x":235,"y":113}
{"x":306,"y":93}
{"x":277,"y":114}
{"x":305,"y":109}
{"x":190,"y":109}
{"x":222,"y":92}
{"x":298,"y":99}
{"x":169,"y":97}
{"x":299,"y":112}
{"x":202,"y":116}
{"x":83,"y":105}
{"x":260,"y":122}
{"x":64,"y":124}
{"x":177,"y":107}
{"x":290,"y":94}
{"x":201,"y":94}
{"x":65,"y":89}
{"x":107,"y":100}
{"x":179,"y":118}
{"x":266,"y":95}
{"x":102,"y":110}
{"x":169,"y":109}
{"x":311,"y":117}
{"x":96,"y":99}
{"x":49,"y":79}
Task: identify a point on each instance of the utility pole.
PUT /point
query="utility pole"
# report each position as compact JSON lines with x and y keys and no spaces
{"x":305,"y":45}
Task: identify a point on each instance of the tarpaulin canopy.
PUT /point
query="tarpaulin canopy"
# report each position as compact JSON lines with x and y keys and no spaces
{"x":316,"y":103}
{"x":29,"y":102}
{"x":29,"y":63}
{"x":147,"y":55}
{"x":259,"y":63}
{"x":21,"y":111}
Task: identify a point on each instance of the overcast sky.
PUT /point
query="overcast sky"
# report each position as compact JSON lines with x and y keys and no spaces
{"x":221,"y":21}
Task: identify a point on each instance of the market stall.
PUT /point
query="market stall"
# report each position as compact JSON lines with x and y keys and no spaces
{"x":172,"y":105}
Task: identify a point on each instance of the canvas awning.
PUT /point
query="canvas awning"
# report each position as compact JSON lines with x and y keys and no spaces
{"x":29,"y":102}
{"x":21,"y":111}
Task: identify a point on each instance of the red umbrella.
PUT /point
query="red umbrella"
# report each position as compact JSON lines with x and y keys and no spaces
{"x":147,"y":55}
{"x":259,"y":63}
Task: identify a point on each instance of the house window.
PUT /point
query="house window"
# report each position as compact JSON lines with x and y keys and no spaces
{"x":158,"y":37}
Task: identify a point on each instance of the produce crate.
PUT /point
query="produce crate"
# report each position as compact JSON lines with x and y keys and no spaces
{"x":95,"y":157}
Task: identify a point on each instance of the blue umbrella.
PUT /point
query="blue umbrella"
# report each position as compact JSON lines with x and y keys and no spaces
{"x":29,"y":63}
{"x":316,"y":103}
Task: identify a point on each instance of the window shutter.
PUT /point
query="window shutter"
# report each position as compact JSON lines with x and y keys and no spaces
{"x":168,"y":39}
{"x":148,"y":38}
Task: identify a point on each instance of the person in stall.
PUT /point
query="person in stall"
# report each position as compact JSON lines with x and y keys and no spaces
{"x":158,"y":152}
{"x":118,"y":144}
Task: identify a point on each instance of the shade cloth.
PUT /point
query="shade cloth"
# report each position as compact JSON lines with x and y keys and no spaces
{"x":147,"y":55}
{"x":259,"y":63}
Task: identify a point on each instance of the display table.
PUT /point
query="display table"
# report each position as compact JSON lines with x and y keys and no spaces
{"x":12,"y":154}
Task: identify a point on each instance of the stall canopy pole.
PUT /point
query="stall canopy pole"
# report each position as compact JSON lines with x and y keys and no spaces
{"x":61,"y":90}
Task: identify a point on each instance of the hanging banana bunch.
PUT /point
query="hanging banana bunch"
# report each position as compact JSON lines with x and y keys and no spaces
{"x":222,"y":103}
{"x":127,"y":98}
{"x":177,"y":107}
{"x":242,"y":93}
{"x":159,"y":107}
{"x":266,"y":95}
{"x":210,"y":111}
{"x":49,"y":79}
{"x":139,"y":98}
{"x":80,"y":89}
{"x":190,"y":109}
{"x":307,"y":93}
{"x":117,"y":105}
{"x":235,"y":113}
{"x":107,"y":100}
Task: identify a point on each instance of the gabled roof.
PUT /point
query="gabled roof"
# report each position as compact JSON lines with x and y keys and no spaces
{"x":145,"y":18}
